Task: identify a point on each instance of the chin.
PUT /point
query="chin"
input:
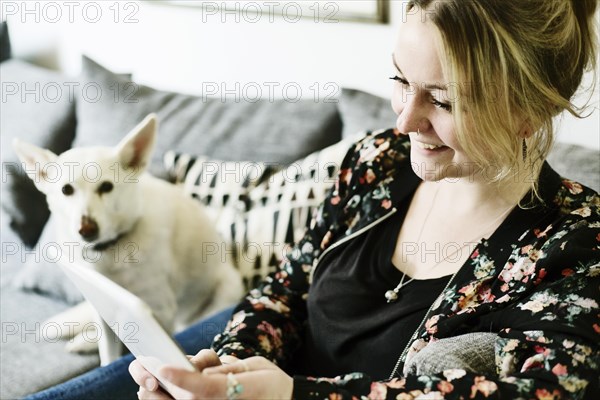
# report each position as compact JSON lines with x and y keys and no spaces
{"x":433,"y":167}
{"x":427,"y":176}
{"x":426,"y":169}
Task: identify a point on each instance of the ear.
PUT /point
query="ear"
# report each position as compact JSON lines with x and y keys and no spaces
{"x":526,"y":130}
{"x":136,"y":148}
{"x":34,"y":159}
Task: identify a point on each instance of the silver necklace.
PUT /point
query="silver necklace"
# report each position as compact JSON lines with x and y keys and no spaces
{"x":392,"y":295}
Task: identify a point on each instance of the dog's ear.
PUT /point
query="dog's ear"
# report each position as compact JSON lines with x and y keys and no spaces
{"x":35,"y":160}
{"x":136,"y":148}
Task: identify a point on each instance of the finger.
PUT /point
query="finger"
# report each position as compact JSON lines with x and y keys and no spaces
{"x":144,"y":394}
{"x":227,"y":359}
{"x":240,"y":366}
{"x":235,"y":367}
{"x":247,"y":385}
{"x":186,"y":385}
{"x":205,"y":358}
{"x":250,"y":385}
{"x":181,"y":383}
{"x":142,"y":377}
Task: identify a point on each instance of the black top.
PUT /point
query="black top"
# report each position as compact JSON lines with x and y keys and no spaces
{"x":363,"y":332}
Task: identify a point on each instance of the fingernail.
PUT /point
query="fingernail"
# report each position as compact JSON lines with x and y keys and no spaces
{"x":149,"y":384}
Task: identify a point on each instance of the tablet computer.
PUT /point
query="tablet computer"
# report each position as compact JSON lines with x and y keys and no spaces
{"x":119,"y":309}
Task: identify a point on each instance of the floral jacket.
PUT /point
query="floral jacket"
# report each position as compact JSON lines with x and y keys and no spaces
{"x":540,"y":270}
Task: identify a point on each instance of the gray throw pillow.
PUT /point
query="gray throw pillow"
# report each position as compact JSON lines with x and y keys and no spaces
{"x":361,"y":111}
{"x":37,"y":108}
{"x":473,"y":352}
{"x":276,"y":131}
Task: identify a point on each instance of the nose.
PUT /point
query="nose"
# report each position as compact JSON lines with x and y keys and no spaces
{"x":411,"y":115}
{"x":88,"y":229}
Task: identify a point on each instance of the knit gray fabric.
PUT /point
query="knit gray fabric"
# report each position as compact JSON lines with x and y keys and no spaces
{"x":473,"y":352}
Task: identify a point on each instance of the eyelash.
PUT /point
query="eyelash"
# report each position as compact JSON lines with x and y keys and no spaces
{"x":444,"y":106}
{"x":401,"y":80}
{"x":438,"y":104}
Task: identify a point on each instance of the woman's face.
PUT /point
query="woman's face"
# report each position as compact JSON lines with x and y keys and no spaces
{"x":422,"y":103}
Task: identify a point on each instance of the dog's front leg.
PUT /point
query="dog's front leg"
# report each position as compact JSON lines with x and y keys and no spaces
{"x":109,"y":345}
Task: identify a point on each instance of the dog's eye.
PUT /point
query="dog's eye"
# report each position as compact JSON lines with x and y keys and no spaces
{"x":67,"y":190}
{"x":105,"y":187}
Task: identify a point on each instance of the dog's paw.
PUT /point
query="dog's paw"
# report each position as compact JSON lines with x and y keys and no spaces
{"x":70,"y":322}
{"x":52,"y":329}
{"x":83,"y":343}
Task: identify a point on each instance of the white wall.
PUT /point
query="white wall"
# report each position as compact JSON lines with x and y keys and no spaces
{"x":173,"y":48}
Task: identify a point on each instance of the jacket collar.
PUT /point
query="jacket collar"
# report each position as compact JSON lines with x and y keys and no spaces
{"x":523,"y":223}
{"x":402,"y":183}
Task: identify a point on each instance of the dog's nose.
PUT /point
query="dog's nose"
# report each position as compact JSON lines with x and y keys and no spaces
{"x":88,"y":229}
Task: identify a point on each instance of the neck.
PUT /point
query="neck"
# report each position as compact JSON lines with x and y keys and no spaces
{"x":474,"y":193}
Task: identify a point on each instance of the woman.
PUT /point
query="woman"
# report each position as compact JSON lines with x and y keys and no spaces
{"x":529,"y":286}
{"x":449,"y":260}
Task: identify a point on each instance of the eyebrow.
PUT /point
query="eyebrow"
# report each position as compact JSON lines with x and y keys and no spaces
{"x":427,"y":86}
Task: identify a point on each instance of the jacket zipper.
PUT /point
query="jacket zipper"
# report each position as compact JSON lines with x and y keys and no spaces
{"x":347,"y":238}
{"x":416,"y":332}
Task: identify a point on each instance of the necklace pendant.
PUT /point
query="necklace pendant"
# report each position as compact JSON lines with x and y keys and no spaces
{"x":391,"y":296}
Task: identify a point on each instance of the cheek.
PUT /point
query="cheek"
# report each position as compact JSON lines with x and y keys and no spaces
{"x":444,"y":128}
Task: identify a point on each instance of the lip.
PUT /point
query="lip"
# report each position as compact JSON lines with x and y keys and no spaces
{"x":427,"y":148}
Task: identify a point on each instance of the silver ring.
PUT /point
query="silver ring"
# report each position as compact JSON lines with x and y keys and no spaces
{"x":234,"y":388}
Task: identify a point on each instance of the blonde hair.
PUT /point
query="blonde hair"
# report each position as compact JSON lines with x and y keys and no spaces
{"x":513,"y":64}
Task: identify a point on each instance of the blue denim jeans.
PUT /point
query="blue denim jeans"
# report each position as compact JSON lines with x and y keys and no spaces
{"x":114,"y":382}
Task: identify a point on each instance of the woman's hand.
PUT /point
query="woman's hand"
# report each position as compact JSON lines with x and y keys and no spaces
{"x":253,"y":378}
{"x":149,"y":388}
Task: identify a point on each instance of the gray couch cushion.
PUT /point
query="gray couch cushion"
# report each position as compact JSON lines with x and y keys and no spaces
{"x":45,"y":117}
{"x":30,"y":359}
{"x":276,"y":132}
{"x":362,"y":111}
{"x":577,"y":163}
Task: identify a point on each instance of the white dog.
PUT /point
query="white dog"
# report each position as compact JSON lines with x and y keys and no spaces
{"x":143,"y":233}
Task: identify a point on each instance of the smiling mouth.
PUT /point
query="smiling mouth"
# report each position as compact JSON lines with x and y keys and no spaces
{"x":428,"y":146}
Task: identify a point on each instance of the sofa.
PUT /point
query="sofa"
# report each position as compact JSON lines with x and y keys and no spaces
{"x":284,"y":156}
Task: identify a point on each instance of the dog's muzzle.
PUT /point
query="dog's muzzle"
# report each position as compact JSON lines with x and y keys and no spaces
{"x":105,"y":245}
{"x":88,"y":229}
